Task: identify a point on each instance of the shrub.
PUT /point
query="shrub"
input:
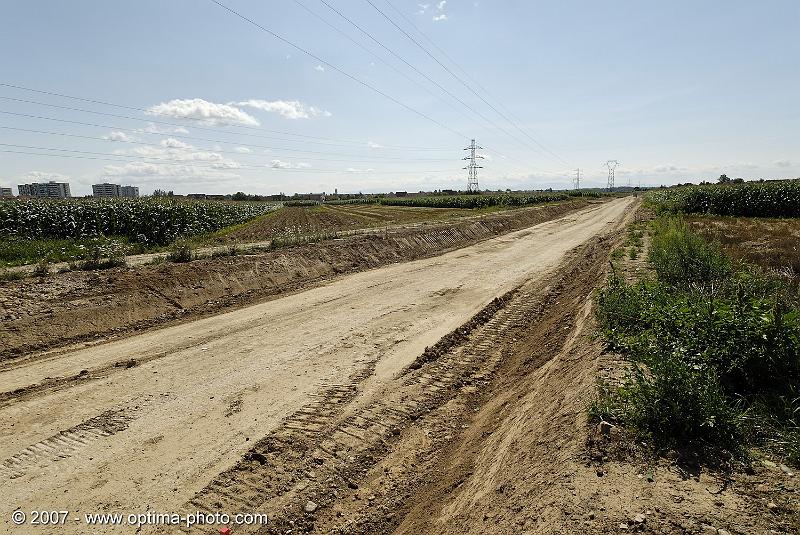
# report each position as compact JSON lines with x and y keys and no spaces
{"x":681,"y":405}
{"x":105,"y":254}
{"x":711,"y":346}
{"x":680,"y":256}
{"x":180,"y":252}
{"x":42,"y":269}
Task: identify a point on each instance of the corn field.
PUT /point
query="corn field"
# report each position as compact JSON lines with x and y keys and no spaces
{"x":144,"y":221}
{"x":754,"y":199}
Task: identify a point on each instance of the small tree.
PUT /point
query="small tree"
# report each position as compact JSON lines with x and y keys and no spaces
{"x":723,"y":179}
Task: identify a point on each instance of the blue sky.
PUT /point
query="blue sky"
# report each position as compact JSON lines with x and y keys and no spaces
{"x":677,"y":91}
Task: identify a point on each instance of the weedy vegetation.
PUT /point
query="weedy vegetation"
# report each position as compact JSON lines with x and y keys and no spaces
{"x":713,"y":347}
{"x":180,"y":252}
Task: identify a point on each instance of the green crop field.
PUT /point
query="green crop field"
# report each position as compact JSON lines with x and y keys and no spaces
{"x":144,"y":221}
{"x":754,"y":199}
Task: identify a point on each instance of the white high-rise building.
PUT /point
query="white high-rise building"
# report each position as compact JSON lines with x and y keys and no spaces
{"x":53,"y":190}
{"x":114,"y":190}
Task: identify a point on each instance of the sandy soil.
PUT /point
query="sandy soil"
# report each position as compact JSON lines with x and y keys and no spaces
{"x":151,"y":420}
{"x":51,"y":312}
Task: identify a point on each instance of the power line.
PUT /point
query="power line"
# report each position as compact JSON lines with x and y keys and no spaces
{"x":203,"y":121}
{"x":220,"y":151}
{"x":459,"y":79}
{"x":455,"y":63}
{"x":374,"y":55}
{"x":183,"y":136}
{"x":178,"y":125}
{"x":103,"y":156}
{"x":412,"y":67}
{"x":339,"y":70}
{"x":415,"y":69}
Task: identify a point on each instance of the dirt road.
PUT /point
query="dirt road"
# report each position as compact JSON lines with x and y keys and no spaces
{"x":194,"y":398}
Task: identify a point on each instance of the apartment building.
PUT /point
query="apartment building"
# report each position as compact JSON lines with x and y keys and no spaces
{"x":52,"y":190}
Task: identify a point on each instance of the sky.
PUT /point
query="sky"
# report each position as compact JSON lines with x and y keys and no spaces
{"x":383,"y":95}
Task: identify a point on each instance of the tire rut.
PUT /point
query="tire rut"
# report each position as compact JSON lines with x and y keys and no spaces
{"x":328,"y":445}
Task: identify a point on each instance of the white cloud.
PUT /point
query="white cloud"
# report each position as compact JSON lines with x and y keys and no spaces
{"x":119,"y":136}
{"x":280,"y":164}
{"x":783,"y":163}
{"x":441,"y":15}
{"x":44,"y":176}
{"x":291,"y":109}
{"x":243,"y":150}
{"x":667,"y":169}
{"x":153,"y":128}
{"x":319,"y":68}
{"x":143,"y":172}
{"x":172,"y":143}
{"x":209,"y":112}
{"x":373,"y":145}
{"x":423,"y":8}
{"x":183,"y":163}
{"x":354,"y":170}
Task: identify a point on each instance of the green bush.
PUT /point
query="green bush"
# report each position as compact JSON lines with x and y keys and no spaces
{"x":680,"y":256}
{"x":709,"y":345}
{"x":681,"y":405}
{"x":180,"y":252}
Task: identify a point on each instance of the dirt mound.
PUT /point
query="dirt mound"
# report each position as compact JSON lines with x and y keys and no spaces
{"x":79,"y":306}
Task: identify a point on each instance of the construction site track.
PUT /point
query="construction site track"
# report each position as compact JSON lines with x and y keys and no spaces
{"x":43,"y":317}
{"x":320,"y":455}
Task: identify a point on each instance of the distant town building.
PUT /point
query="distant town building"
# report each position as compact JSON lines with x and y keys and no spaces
{"x":129,"y":191}
{"x":53,"y":190}
{"x":5,"y":193}
{"x":114,"y":190}
{"x":105,"y":190}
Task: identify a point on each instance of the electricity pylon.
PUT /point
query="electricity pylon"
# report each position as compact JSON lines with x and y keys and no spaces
{"x":577,"y":180}
{"x":612,"y":165}
{"x":472,"y":178}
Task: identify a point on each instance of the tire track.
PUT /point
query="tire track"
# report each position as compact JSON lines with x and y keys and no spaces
{"x":66,"y":443}
{"x":326,"y":446}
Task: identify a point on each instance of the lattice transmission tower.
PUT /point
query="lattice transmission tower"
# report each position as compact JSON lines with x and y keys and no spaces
{"x":577,"y":180}
{"x":612,"y":166}
{"x":472,"y":166}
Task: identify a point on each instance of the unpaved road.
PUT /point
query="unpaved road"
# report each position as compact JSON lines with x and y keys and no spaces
{"x":196,"y":396}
